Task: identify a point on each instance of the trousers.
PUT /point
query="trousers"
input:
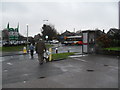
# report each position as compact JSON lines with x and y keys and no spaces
{"x":40,"y":58}
{"x":31,"y":52}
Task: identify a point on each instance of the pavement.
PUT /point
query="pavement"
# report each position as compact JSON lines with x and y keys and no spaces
{"x":79,"y":71}
{"x":11,"y":53}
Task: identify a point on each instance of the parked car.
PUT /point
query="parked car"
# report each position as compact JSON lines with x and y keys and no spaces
{"x":55,"y":41}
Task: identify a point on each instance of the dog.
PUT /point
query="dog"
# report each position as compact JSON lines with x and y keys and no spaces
{"x":46,"y":56}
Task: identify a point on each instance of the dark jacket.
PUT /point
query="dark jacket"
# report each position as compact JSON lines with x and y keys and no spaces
{"x":40,"y":47}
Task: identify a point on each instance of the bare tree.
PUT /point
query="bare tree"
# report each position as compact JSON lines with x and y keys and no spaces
{"x":5,"y":35}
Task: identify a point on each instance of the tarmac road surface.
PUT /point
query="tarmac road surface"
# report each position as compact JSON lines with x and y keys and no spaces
{"x":88,"y":71}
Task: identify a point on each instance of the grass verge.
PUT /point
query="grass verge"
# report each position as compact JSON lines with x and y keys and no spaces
{"x":12,"y":48}
{"x":49,"y":45}
{"x":16,"y":48}
{"x":61,"y":55}
{"x":0,"y":49}
{"x":113,"y":48}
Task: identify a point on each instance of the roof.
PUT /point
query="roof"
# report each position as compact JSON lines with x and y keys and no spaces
{"x":88,"y":31}
{"x":113,"y":30}
{"x":68,"y":33}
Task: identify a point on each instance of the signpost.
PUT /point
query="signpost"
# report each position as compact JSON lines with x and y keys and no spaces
{"x":13,"y":34}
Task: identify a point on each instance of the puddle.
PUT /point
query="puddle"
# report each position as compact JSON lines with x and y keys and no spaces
{"x":5,"y":70}
{"x":1,"y":59}
{"x":11,"y":56}
{"x":9,"y":63}
{"x":80,"y":60}
{"x":24,"y":81}
{"x":64,"y":70}
{"x":106,"y":65}
{"x":90,"y":70}
{"x":25,"y":74}
{"x":41,"y":77}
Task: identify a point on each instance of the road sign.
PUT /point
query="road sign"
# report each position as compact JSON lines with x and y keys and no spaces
{"x":13,"y":33}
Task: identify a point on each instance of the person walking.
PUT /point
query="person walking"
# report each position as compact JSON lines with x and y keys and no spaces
{"x":40,"y":48}
{"x":31,"y":50}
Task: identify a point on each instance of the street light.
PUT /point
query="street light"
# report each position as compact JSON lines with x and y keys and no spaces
{"x":45,"y":21}
{"x":46,"y":38}
{"x":27,"y":37}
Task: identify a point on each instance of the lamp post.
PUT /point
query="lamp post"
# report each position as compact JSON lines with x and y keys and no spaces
{"x":27,"y":37}
{"x":45,"y":21}
{"x":74,"y":30}
{"x":46,"y":38}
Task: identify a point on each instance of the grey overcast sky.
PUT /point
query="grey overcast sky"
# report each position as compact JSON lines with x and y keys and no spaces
{"x":63,"y":15}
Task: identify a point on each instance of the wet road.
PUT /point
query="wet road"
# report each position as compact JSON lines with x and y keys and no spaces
{"x":88,"y":71}
{"x":20,"y":68}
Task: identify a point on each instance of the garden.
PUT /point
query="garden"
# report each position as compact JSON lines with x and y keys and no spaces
{"x":108,"y":44}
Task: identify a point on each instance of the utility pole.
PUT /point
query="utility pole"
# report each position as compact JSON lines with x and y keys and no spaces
{"x":119,"y":13}
{"x":74,"y":30}
{"x":27,"y":37}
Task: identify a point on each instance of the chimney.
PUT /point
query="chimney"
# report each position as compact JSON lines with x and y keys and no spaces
{"x":103,"y":31}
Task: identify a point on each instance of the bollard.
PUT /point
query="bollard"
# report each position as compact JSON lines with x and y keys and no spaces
{"x":24,"y":50}
{"x":50,"y":55}
{"x":68,"y":51}
{"x":56,"y":50}
{"x":27,"y":48}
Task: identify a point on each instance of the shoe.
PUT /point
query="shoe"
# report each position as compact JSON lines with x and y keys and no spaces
{"x":40,"y":63}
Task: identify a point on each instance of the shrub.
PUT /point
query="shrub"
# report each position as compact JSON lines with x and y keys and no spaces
{"x":104,"y":41}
